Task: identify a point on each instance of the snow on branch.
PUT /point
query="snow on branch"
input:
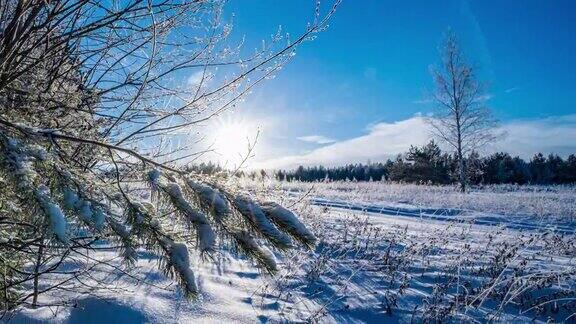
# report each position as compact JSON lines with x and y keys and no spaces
{"x":178,"y":261}
{"x":262,"y":255}
{"x":54,"y":134}
{"x":210,"y":199}
{"x":175,"y":254}
{"x":54,"y":213}
{"x":256,"y":217}
{"x":286,"y":220}
{"x":206,"y":236}
{"x":20,"y":157}
{"x":128,"y":251}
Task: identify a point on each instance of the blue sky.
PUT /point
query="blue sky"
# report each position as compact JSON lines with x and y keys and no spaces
{"x":371,"y":67}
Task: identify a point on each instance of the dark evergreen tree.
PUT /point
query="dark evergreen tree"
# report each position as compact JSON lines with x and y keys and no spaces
{"x":428,"y":164}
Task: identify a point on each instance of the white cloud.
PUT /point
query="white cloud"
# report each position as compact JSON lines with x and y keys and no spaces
{"x":482,"y":98}
{"x":511,"y":89}
{"x":318,"y":139}
{"x":422,"y":101}
{"x":195,"y":78}
{"x":385,"y":140}
{"x":485,"y":97}
{"x":199,"y":77}
{"x":547,"y":135}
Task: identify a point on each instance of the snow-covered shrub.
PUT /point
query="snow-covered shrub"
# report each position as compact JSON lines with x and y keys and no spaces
{"x":394,"y":268}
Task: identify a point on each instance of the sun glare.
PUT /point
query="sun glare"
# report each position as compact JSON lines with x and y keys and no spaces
{"x":232,"y":141}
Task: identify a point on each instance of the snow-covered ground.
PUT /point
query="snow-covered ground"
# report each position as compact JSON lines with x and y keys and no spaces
{"x":400,"y":253}
{"x":550,"y":201}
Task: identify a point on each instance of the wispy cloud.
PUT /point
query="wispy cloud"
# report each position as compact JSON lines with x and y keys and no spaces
{"x":511,"y":89}
{"x":482,"y":98}
{"x":485,"y":97}
{"x":318,"y":139}
{"x":199,"y":77}
{"x":422,"y":101}
{"x":385,"y":140}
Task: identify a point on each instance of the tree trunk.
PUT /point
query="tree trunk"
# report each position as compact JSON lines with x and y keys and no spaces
{"x":36,"y":272}
{"x":37,"y":265}
{"x":462,"y":170}
{"x":461,"y":164}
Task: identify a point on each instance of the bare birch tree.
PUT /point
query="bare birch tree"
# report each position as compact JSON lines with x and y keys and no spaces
{"x":462,"y":120}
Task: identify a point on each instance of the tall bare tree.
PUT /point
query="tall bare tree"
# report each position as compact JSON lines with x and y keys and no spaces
{"x":462,"y":119}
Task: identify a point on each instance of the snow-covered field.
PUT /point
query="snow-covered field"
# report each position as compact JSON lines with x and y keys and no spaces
{"x":386,"y":252}
{"x":550,"y":201}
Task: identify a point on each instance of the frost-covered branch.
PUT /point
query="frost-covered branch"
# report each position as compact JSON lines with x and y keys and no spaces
{"x":90,"y":94}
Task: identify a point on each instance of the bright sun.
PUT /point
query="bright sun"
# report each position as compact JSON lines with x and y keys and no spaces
{"x":231,"y":142}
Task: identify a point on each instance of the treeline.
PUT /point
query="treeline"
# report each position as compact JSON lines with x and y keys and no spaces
{"x":428,"y":164}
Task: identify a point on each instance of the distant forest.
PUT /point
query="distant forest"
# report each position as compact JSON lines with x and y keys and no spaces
{"x":428,"y":164}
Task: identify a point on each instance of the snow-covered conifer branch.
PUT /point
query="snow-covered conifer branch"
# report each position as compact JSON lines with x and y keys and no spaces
{"x":76,"y":196}
{"x":262,"y":255}
{"x":128,"y":249}
{"x":175,"y":255}
{"x":287,"y":221}
{"x":28,"y":180}
{"x":58,"y":223}
{"x":210,"y":199}
{"x":256,"y":217}
{"x":218,"y":198}
{"x":73,"y":117}
{"x":178,"y":263}
{"x":205,"y":233}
